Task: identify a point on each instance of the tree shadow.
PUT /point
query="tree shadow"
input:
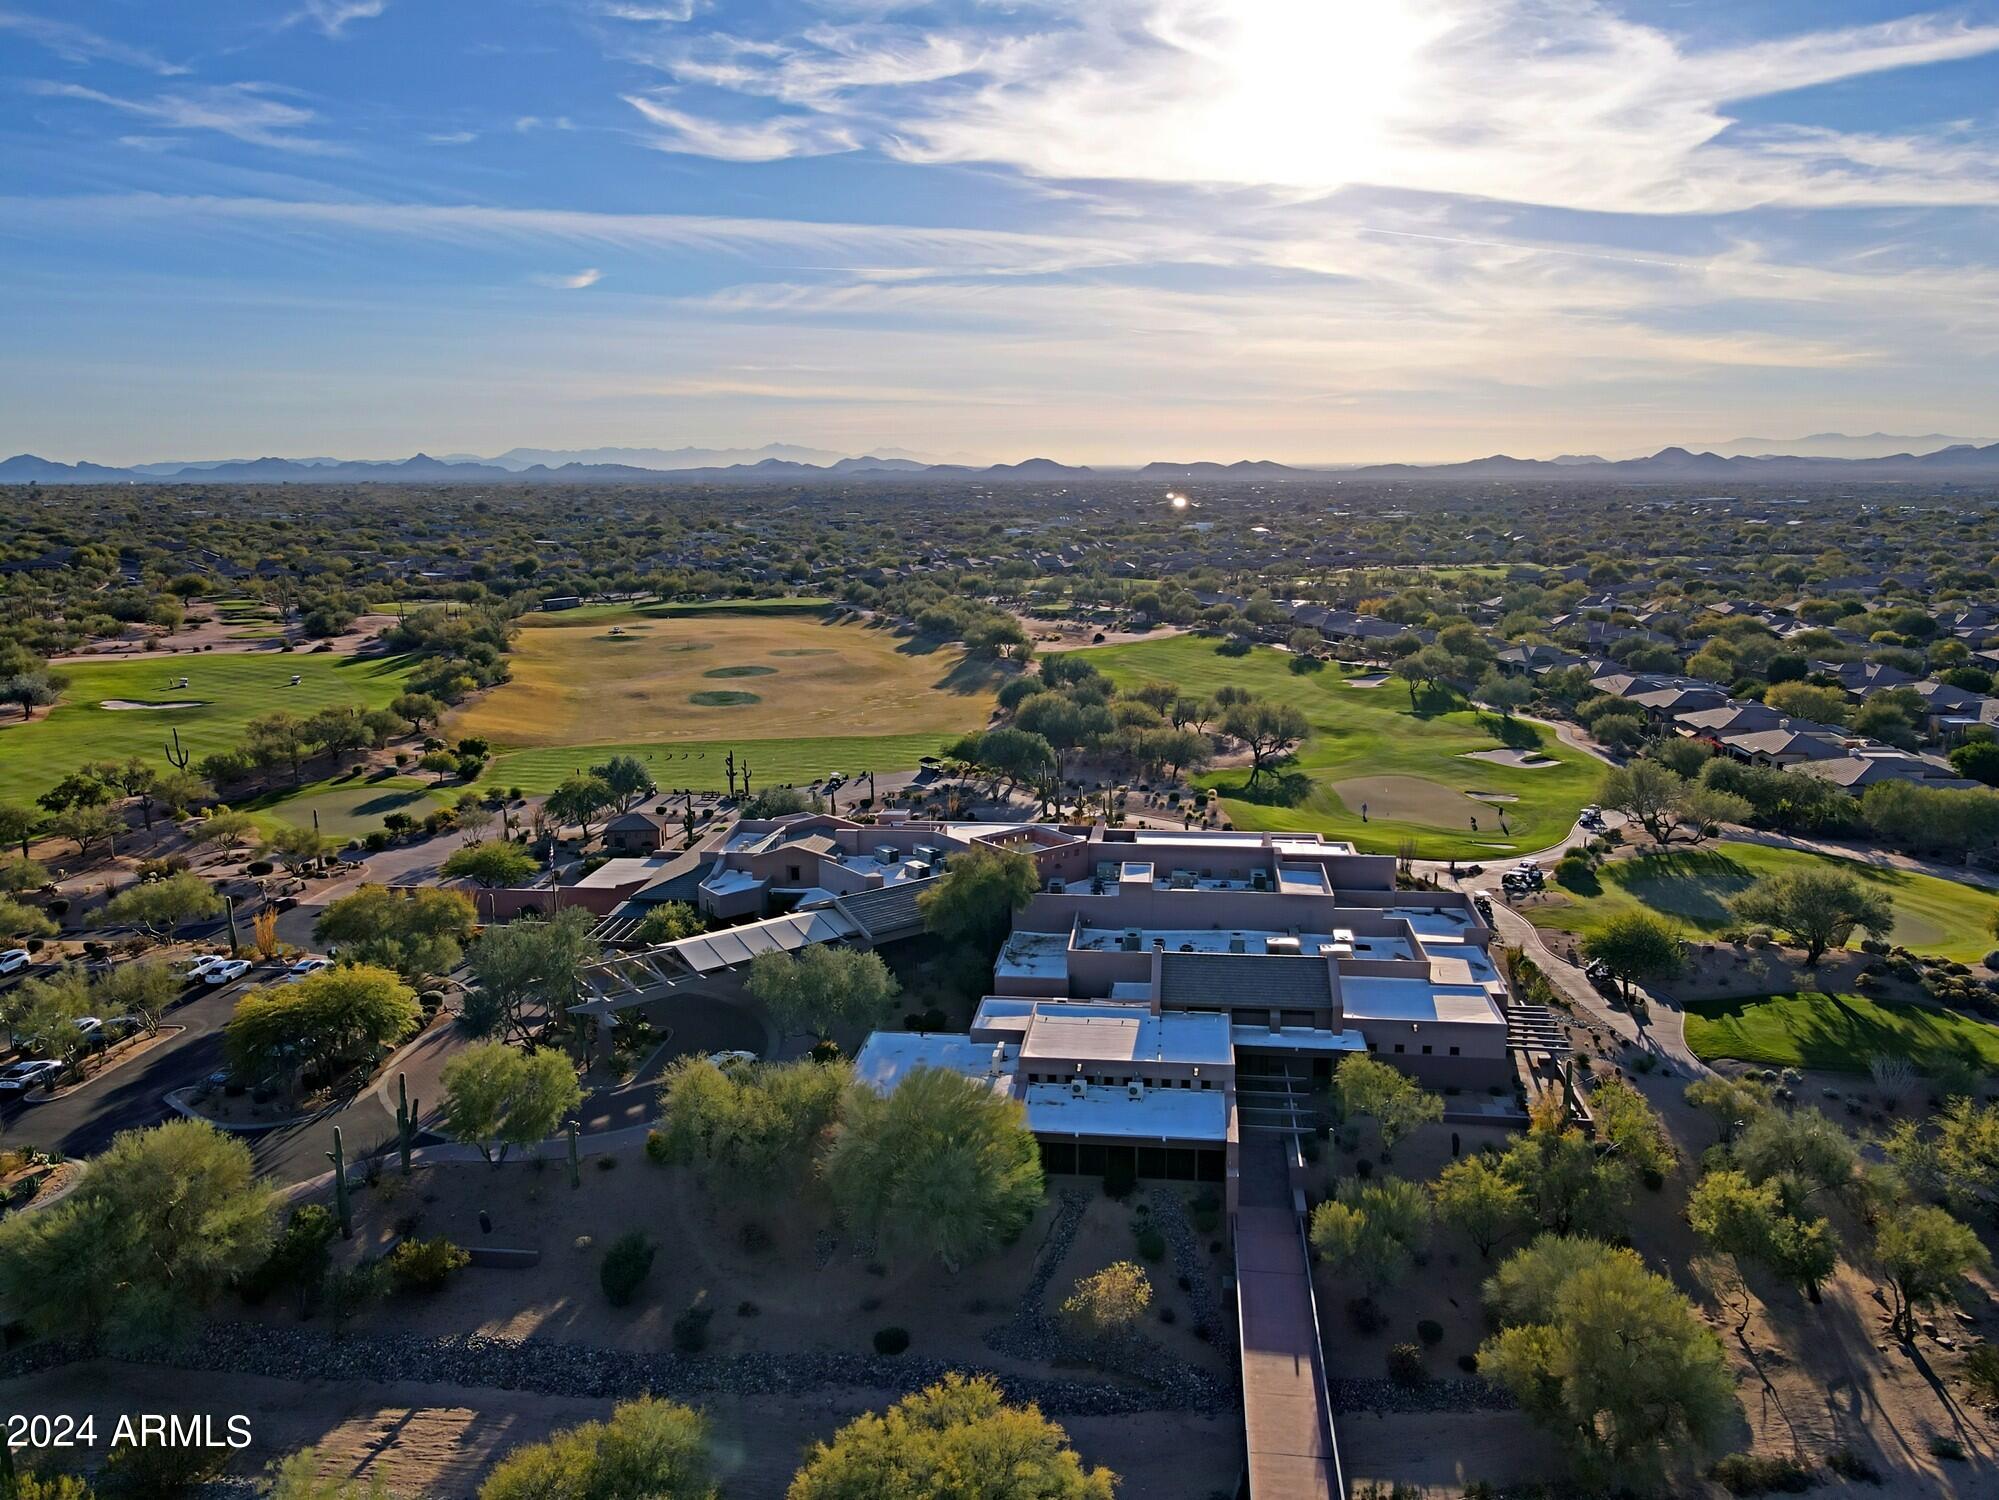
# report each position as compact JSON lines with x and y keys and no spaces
{"x":1515,"y":734}
{"x":1281,"y":788}
{"x":973,"y":675}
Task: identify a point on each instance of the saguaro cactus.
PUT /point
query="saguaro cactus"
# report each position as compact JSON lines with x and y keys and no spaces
{"x":176,"y":756}
{"x":343,"y":1210}
{"x":406,"y":1112}
{"x":575,"y":1167}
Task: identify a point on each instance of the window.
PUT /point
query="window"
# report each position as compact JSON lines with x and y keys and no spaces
{"x":1398,"y":1046}
{"x":791,"y":872}
{"x":1426,"y":1049}
{"x":1454,"y":1052}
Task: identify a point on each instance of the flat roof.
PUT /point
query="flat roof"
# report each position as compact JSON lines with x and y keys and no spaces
{"x":1080,"y":1032}
{"x":1297,"y":1039}
{"x":1372,"y":997}
{"x":887,"y":1057}
{"x":1157,"y":1114}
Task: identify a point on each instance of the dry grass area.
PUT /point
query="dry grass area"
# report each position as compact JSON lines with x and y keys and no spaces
{"x":641,"y":676}
{"x":439,"y":1441}
{"x":1811,"y":1378}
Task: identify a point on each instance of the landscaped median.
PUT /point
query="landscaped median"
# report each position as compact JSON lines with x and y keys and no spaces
{"x":1836,"y":1032}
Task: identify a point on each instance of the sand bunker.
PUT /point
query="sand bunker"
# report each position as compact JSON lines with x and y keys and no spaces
{"x":119,"y":705}
{"x":1375,"y":681}
{"x":1520,"y":760}
{"x":1491,"y":796}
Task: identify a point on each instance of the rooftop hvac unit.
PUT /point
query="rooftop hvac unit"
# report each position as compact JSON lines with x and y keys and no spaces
{"x":1132,"y":940}
{"x":1056,"y":884}
{"x":929,"y":853}
{"x":1280,"y":945}
{"x":1078,"y":1089}
{"x":1259,"y":879}
{"x":1236,"y":943}
{"x":887,"y":853}
{"x":1134,"y":1090}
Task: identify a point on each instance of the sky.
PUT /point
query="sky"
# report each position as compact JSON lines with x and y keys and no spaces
{"x":1097,"y":230}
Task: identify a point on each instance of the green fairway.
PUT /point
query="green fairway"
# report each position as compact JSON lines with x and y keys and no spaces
{"x":661,"y":609}
{"x":699,"y":764}
{"x":1412,"y":771}
{"x":349,"y":807}
{"x":1838,"y":1032}
{"x":226,"y":691}
{"x":1693,"y":887}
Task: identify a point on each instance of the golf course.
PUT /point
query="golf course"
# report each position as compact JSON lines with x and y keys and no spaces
{"x":116,"y":709}
{"x":1693,"y":887}
{"x":1456,"y":782}
{"x":787,"y":687}
{"x":1835,"y":1032}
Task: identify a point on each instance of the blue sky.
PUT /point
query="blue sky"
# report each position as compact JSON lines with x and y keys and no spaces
{"x":1102,"y":231}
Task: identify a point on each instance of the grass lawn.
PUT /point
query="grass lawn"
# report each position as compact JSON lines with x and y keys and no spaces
{"x":699,"y":764}
{"x":1837,"y":1032}
{"x":611,"y":609}
{"x":1412,"y":771}
{"x":226,"y":691}
{"x":351,"y":806}
{"x":666,"y":675}
{"x":1693,"y":887}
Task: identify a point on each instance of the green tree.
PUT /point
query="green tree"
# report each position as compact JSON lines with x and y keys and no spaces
{"x":1804,"y":1151}
{"x":1650,"y":794}
{"x":940,"y":1164}
{"x":499,"y":1096}
{"x":956,"y":1440}
{"x":160,"y":1222}
{"x":86,"y":827}
{"x":1373,"y":1230}
{"x":669,"y":922}
{"x":1269,"y":731}
{"x":1819,"y":909}
{"x":1730,"y":1102}
{"x":526,"y":970}
{"x":19,"y":920}
{"x":21,"y":874}
{"x":1635,"y":945}
{"x":1815,"y":705}
{"x":649,"y":1449}
{"x":44,"y":1015}
{"x":141,"y":990}
{"x":823,"y":988}
{"x":748,"y":1128}
{"x":334,"y":1018}
{"x":419,"y":934}
{"x":578,"y":800}
{"x":1957,"y":1160}
{"x":1925,"y":1254}
{"x":490,"y":864}
{"x":160,"y":907}
{"x":626,"y":779}
{"x":18,"y":825}
{"x":1568,"y":1185}
{"x":1476,"y":1198}
{"x":1391,"y":1098}
{"x":1608,"y":1356}
{"x":299,"y":849}
{"x":224,"y":828}
{"x":417,"y":709}
{"x":298,"y":1477}
{"x":973,"y":902}
{"x":1108,"y":1304}
{"x":1629,"y":1128}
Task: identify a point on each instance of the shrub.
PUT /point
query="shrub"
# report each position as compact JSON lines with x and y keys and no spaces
{"x":747,"y":1309}
{"x":1366,"y":1318}
{"x":1120,"y":1179}
{"x":754,"y":1237}
{"x":1850,"y":1465}
{"x":135,"y":1471}
{"x":1946,"y":1447}
{"x":1151,"y":1243}
{"x":658,"y":1152}
{"x":1431,"y":1332}
{"x":1405,"y":1364}
{"x":258,"y":867}
{"x":626,"y":1265}
{"x":690,"y":1329}
{"x":891,"y":1340}
{"x":425,"y":1265}
{"x":1761,"y":1474}
{"x":1207,"y":1213}
{"x":1468,"y":1363}
{"x":1981,"y":1372}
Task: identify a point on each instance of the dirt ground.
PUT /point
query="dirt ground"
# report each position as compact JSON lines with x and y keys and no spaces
{"x":1811,"y":1378}
{"x":1051,"y":634}
{"x":208,"y":632}
{"x":803,"y":1288}
{"x":439,"y":1441}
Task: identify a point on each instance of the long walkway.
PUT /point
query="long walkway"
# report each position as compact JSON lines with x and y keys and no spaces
{"x":1292,"y":1452}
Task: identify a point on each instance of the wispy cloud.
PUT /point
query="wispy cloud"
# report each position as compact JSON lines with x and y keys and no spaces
{"x":528,"y":124}
{"x":1564,"y":103}
{"x":764,"y":140}
{"x":333,"y":17}
{"x":248,"y":112}
{"x":624,"y":10}
{"x":452,"y":137}
{"x":77,"y":44}
{"x":573,"y":282}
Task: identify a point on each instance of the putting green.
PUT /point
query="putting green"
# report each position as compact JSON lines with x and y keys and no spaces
{"x":722,"y":700}
{"x":740,"y":672}
{"x":1836,"y":1032}
{"x":1411,"y":799}
{"x":351,"y":808}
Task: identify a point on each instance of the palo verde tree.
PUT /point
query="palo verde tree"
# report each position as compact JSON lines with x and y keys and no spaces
{"x":161,"y":907}
{"x":1373,"y":1230}
{"x":648,"y":1449}
{"x":945,"y":1443}
{"x":746,"y":1129}
{"x":1635,"y":945}
{"x":1476,"y":1198}
{"x":1374,"y":1090}
{"x":1925,"y":1254}
{"x":490,"y":865}
{"x":823,"y":988}
{"x":160,"y":1223}
{"x":973,"y":902}
{"x":939,"y":1165}
{"x":525,"y":972}
{"x":1817,"y":909}
{"x":335,"y":1018}
{"x":498,"y":1097}
{"x":420,"y":934}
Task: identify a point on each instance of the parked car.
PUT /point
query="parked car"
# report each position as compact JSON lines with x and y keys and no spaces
{"x":731,"y":1059}
{"x":20,"y":1077}
{"x":223,"y":971}
{"x":1590,"y":818}
{"x":306,"y":967}
{"x":15,"y":958}
{"x":198,"y":966}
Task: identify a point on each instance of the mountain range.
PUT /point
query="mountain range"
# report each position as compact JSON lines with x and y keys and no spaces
{"x":1963,"y":461}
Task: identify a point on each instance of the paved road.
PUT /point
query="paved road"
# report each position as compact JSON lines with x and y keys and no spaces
{"x":128,"y":1097}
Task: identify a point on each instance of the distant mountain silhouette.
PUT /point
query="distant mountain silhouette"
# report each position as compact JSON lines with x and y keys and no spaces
{"x":1961,"y":461}
{"x":1839,"y":445}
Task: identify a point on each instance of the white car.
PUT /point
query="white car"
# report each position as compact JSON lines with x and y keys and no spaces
{"x":15,"y":958}
{"x":305,"y":968}
{"x":224,"y":970}
{"x":198,"y":966}
{"x":18,"y":1078}
{"x":732,"y":1059}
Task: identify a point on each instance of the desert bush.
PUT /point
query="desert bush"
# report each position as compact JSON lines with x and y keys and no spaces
{"x":425,"y":1265}
{"x":690,"y":1328}
{"x":891,"y":1340}
{"x":626,"y":1265}
{"x":1761,"y":1474}
{"x":1405,"y":1364}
